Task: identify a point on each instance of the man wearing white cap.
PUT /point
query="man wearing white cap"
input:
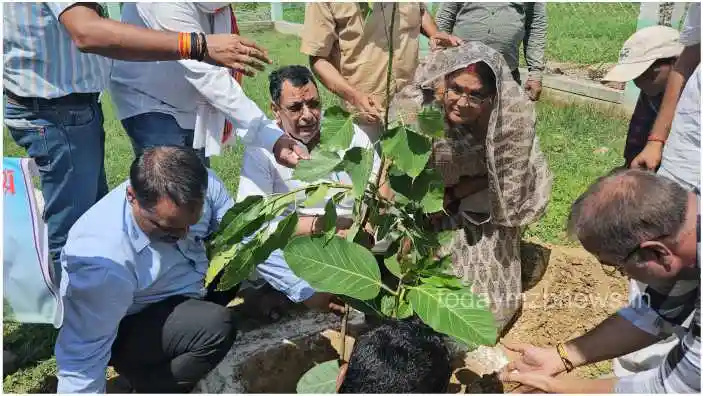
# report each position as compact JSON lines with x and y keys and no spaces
{"x":646,"y":58}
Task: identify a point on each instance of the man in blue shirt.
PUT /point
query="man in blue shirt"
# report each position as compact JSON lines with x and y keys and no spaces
{"x":56,"y":64}
{"x":132,"y":285}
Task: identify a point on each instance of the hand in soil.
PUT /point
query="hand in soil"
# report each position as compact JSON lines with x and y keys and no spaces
{"x":535,"y":359}
{"x":534,"y":381}
{"x":325,"y":302}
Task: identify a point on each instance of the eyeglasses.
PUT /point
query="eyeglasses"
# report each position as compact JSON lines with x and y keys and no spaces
{"x":611,"y":269}
{"x":473,"y":100}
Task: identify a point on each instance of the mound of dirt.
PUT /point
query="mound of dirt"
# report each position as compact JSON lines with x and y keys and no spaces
{"x":573,"y":296}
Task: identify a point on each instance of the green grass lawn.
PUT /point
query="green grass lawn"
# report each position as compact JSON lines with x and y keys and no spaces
{"x":582,"y":33}
{"x":570,"y":136}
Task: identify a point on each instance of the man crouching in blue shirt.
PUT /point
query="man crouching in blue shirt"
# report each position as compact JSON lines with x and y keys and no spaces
{"x":132,"y":284}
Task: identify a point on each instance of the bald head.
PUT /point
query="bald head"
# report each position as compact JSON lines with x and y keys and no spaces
{"x":625,"y":208}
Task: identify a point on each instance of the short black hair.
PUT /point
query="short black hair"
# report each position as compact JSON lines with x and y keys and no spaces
{"x":399,"y":356}
{"x":297,"y":75}
{"x":168,"y":171}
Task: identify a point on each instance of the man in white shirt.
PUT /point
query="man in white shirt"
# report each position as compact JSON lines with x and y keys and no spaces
{"x":162,"y":103}
{"x":295,"y":101}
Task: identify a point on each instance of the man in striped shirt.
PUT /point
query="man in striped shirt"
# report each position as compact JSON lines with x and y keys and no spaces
{"x":647,"y":227}
{"x":56,"y":64}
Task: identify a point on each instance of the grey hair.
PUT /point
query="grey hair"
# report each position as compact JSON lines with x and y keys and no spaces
{"x":625,"y":208}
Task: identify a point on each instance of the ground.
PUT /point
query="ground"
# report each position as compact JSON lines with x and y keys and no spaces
{"x":580,"y":142}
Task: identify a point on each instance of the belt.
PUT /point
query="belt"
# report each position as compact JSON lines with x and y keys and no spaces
{"x":70,"y":99}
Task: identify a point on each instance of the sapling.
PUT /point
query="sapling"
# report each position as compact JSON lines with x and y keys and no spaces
{"x":422,"y":283}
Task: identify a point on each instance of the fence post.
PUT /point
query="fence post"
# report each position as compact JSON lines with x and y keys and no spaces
{"x":649,"y":16}
{"x":276,"y":11}
{"x":424,"y":42}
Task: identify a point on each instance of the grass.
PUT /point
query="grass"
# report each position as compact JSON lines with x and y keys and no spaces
{"x":582,"y":33}
{"x":570,"y":137}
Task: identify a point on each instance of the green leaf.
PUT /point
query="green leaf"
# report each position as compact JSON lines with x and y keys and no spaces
{"x":238,"y":220}
{"x":409,"y":150}
{"x":317,"y":195}
{"x":433,"y":201}
{"x":358,"y":163}
{"x":388,"y":303}
{"x":369,"y":307}
{"x":393,"y":266}
{"x":440,"y":280}
{"x":337,"y":129}
{"x":431,"y":122}
{"x":337,"y":266}
{"x":321,"y":378}
{"x":427,"y":188}
{"x":218,"y":262}
{"x":458,"y":313}
{"x":329,"y":219}
{"x":242,"y":263}
{"x":445,"y":237}
{"x":320,"y":165}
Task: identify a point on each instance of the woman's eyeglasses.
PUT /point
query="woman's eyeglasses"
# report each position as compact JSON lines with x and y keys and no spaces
{"x":472,"y":99}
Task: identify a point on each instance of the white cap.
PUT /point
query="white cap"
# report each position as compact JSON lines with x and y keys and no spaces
{"x":642,"y":49}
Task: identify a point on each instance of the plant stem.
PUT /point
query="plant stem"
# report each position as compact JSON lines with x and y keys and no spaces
{"x":389,"y":77}
{"x":388,"y":289}
{"x":343,"y":331}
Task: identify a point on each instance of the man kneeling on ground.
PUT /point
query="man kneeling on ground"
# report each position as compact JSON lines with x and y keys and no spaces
{"x":295,"y":102}
{"x":648,"y":228}
{"x":132,"y":282}
{"x":397,"y":357}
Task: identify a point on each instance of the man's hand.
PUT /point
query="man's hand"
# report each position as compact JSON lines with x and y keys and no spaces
{"x":367,"y":109}
{"x":650,"y":157}
{"x":444,"y":40}
{"x":325,"y":302}
{"x":545,"y":361}
{"x":531,"y":381}
{"x":288,"y":151}
{"x":236,"y":52}
{"x":533,"y":88}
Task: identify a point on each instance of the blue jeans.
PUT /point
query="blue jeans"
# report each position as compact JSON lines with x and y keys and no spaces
{"x":67,"y":142}
{"x":158,"y":129}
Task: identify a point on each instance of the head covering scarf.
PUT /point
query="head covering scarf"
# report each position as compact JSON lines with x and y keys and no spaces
{"x":518,"y":176}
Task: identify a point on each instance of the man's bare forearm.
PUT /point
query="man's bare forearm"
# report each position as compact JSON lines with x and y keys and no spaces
{"x":682,"y":70}
{"x":614,"y":337}
{"x":93,"y":34}
{"x":332,"y":79}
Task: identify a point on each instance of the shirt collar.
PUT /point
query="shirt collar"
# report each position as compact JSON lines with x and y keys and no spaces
{"x":136,"y":236}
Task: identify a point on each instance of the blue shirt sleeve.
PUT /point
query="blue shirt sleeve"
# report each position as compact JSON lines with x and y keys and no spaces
{"x":278,"y":274}
{"x":219,"y":197}
{"x":96,"y":293}
{"x":57,"y":8}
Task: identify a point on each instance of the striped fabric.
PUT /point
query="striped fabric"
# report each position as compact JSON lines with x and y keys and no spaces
{"x":40,"y":59}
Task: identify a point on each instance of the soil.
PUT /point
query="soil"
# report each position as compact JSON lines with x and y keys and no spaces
{"x":563,"y":299}
{"x":593,"y":73}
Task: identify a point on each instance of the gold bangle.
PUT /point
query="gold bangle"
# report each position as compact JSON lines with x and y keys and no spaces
{"x":565,"y":358}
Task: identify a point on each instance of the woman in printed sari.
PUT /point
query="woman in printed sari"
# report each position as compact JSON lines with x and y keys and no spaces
{"x":496,"y":178}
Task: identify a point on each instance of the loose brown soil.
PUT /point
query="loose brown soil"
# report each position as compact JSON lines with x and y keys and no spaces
{"x":563,"y":299}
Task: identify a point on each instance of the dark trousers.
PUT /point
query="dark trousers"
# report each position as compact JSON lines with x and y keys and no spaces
{"x":158,"y":129}
{"x":171,"y":345}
